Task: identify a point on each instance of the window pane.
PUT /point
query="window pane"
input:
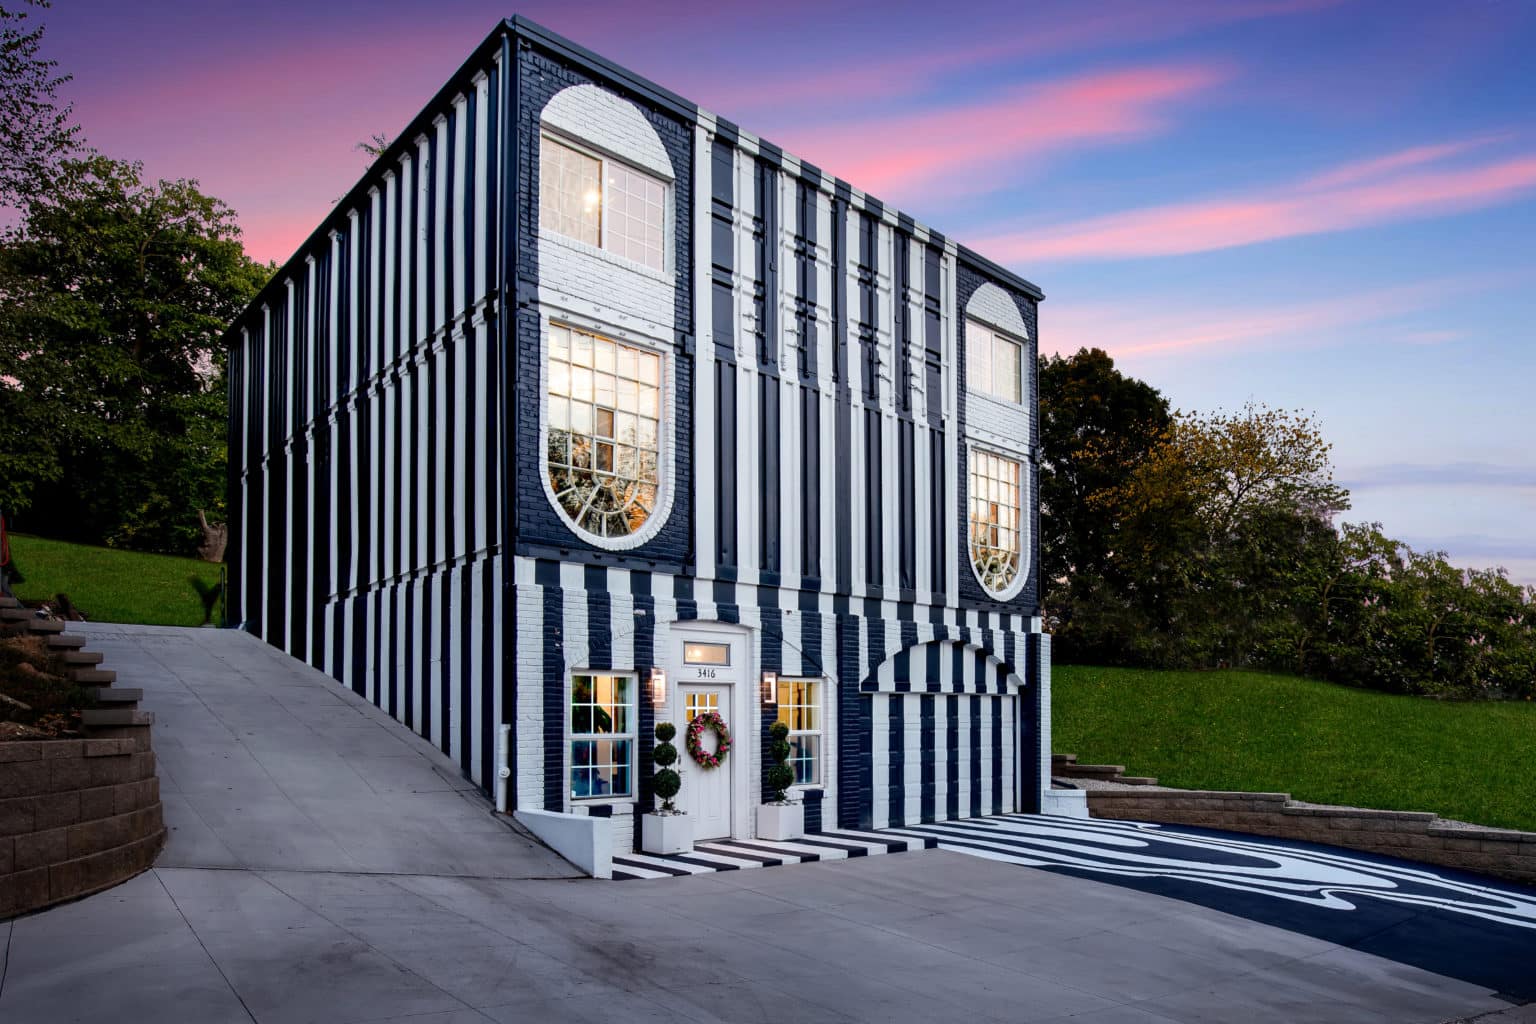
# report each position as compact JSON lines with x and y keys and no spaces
{"x":635,"y":223}
{"x":707,"y":654}
{"x":978,"y":357}
{"x":606,"y":490}
{"x":805,"y":759}
{"x":1006,"y":368}
{"x":570,"y":192}
{"x":996,"y":502}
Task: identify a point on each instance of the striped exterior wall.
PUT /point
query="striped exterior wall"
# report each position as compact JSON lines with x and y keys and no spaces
{"x":365,"y":455}
{"x":815,"y":468}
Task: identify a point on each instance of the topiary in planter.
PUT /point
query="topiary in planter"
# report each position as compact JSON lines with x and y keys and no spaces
{"x":779,"y":775}
{"x":667,"y":781}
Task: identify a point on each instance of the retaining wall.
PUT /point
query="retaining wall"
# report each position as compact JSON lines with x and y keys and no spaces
{"x":1411,"y":835}
{"x":76,"y":817}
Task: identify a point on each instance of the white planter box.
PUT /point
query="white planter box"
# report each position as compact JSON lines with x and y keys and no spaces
{"x":666,"y":833}
{"x":781,"y":821}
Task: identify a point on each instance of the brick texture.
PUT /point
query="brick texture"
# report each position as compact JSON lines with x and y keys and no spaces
{"x":76,"y":817}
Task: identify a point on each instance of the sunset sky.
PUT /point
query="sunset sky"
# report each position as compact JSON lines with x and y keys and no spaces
{"x":1320,"y":205}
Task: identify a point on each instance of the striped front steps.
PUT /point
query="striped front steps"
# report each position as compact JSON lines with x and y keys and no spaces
{"x":737,"y":854}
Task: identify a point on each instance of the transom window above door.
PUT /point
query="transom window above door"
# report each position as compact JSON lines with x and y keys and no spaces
{"x":604,"y":431}
{"x":602,"y":202}
{"x":994,"y":363}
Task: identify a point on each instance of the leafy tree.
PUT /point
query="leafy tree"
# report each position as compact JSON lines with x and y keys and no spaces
{"x":114,"y":293}
{"x":1096,"y":425}
{"x":35,"y":131}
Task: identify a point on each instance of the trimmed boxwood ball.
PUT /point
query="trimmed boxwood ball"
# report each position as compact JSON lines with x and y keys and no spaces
{"x":667,"y":782}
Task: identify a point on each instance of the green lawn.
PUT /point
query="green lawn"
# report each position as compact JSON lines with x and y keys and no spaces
{"x":108,"y":585}
{"x":1317,"y":741}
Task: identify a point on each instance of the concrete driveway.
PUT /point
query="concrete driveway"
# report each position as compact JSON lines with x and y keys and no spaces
{"x":327,"y":867}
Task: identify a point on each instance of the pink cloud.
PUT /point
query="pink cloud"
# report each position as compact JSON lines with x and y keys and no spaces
{"x":1390,"y":188}
{"x":1136,"y":329}
{"x":1094,"y":28}
{"x":894,"y":154}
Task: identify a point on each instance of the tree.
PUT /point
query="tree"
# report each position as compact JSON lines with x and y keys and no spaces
{"x":114,"y":294}
{"x":1096,"y":425}
{"x":35,"y":131}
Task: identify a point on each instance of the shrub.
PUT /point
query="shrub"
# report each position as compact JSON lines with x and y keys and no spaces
{"x":779,"y":775}
{"x":667,"y":782}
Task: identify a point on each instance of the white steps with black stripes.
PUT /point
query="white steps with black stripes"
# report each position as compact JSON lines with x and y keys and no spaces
{"x":737,"y":854}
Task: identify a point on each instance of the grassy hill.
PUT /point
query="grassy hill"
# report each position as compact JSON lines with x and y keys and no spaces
{"x":1317,"y":741}
{"x":109,"y":585}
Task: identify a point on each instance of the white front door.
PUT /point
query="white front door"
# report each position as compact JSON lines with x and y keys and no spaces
{"x":706,"y":792}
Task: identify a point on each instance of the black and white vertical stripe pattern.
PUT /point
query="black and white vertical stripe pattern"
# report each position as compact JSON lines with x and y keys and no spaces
{"x":367,"y":468}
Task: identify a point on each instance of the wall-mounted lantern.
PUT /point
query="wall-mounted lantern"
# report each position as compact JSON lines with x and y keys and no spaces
{"x":658,"y":681}
{"x":770,"y":689}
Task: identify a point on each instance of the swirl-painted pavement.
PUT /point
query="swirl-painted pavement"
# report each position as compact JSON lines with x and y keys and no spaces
{"x":1462,"y":925}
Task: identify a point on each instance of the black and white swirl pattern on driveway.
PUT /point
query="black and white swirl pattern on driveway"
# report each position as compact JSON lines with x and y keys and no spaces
{"x":1453,"y":923}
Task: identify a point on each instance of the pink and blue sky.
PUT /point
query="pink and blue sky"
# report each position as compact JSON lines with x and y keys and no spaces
{"x":1318,"y":204}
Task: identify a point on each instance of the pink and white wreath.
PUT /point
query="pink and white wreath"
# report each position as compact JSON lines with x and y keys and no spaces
{"x":708,"y":720}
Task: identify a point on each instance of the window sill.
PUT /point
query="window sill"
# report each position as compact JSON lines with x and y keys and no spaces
{"x":666,"y":277}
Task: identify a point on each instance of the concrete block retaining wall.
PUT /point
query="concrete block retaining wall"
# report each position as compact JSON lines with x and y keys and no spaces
{"x":1411,"y":835}
{"x":76,"y":817}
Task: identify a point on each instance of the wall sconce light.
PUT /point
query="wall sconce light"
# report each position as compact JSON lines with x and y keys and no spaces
{"x":770,"y":689}
{"x":658,"y":680}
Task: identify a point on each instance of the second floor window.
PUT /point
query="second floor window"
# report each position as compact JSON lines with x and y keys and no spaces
{"x":994,"y":363}
{"x":996,"y":519}
{"x":602,"y":202}
{"x":604,"y":431}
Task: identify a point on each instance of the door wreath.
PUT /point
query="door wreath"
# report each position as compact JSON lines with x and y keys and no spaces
{"x":708,"y":720}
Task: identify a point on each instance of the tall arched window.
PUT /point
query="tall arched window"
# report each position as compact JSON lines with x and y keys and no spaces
{"x":996,"y":520}
{"x":604,"y":431}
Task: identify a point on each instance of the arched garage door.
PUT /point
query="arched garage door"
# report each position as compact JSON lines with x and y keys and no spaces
{"x":945,"y":728}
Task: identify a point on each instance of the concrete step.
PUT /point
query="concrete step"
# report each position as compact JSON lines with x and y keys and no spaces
{"x":7,"y":601}
{"x":16,"y":614}
{"x":1094,"y":770}
{"x":117,"y":694}
{"x":1137,"y":780}
{"x":115,"y":716}
{"x":75,"y":656}
{"x":65,"y":642}
{"x":93,"y":676}
{"x":44,"y":626}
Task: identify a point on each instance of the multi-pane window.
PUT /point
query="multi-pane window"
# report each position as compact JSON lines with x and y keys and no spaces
{"x":602,"y":202}
{"x":800,"y":709}
{"x":570,"y":192}
{"x":996,"y":528}
{"x":604,"y":430}
{"x":602,"y":735}
{"x":993,"y":363}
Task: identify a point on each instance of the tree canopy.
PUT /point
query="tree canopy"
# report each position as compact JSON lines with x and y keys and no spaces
{"x":36,"y":131}
{"x":1185,"y":541}
{"x":114,"y":293}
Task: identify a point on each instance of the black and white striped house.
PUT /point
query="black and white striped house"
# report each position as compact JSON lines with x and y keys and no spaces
{"x":581,"y":382}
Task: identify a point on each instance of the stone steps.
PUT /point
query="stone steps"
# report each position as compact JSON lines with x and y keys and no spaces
{"x":93,"y":676}
{"x":65,"y":642}
{"x":116,"y":694}
{"x":95,"y":717}
{"x":76,"y":656}
{"x":1065,"y":766}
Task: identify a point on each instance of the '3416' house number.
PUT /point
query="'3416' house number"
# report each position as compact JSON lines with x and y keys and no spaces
{"x":705,"y":673}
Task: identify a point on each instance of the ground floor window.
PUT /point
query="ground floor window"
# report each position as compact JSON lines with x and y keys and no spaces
{"x":602,"y":735}
{"x":800,"y":709}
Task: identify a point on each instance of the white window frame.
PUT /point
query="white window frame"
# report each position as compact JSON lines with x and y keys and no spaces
{"x":667,"y":410}
{"x":994,"y":337}
{"x":1025,"y":512}
{"x":821,"y":732}
{"x":572,"y":736}
{"x":604,"y":160}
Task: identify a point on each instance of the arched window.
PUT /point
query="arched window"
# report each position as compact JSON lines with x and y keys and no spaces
{"x":996,"y":520}
{"x":604,"y":431}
